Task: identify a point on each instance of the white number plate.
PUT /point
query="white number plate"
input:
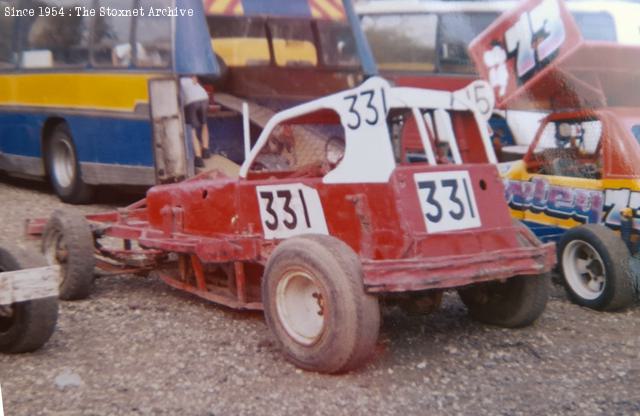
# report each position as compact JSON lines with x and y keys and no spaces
{"x":447,"y":201}
{"x":288,"y":210}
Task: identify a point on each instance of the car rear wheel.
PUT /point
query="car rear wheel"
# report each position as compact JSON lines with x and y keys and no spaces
{"x":63,"y":168}
{"x":595,"y":265}
{"x":316,"y":306}
{"x":67,"y":241}
{"x":25,"y":326}
{"x":515,"y":303}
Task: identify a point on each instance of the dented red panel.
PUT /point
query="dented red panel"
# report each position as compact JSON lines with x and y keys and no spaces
{"x":208,"y":206}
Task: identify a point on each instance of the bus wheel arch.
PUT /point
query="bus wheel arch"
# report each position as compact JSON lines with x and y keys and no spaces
{"x":61,"y":162}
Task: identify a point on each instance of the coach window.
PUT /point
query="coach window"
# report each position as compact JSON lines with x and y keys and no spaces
{"x":239,"y":40}
{"x":153,"y":36}
{"x":337,"y":44}
{"x":403,"y":42}
{"x":293,"y":43}
{"x":7,"y":54}
{"x":457,"y":30}
{"x":51,"y":39}
{"x":111,"y":36}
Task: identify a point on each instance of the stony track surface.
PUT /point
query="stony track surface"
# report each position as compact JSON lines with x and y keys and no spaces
{"x":139,"y":347}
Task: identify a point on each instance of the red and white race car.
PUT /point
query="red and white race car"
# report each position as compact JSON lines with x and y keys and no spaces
{"x":321,"y":220}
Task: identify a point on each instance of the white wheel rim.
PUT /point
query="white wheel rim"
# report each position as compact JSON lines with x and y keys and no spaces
{"x":55,"y":252}
{"x":63,"y":163}
{"x":584,"y":269}
{"x":300,"y":306}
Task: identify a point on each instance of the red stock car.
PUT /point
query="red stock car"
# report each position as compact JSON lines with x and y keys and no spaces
{"x":322,"y":219}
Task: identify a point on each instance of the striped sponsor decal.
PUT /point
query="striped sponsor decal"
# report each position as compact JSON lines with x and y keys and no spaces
{"x":327,"y":9}
{"x":226,"y":7}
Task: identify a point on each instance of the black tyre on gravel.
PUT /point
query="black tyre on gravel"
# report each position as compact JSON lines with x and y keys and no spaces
{"x":595,"y":267}
{"x":515,"y":303}
{"x":316,"y":306}
{"x":67,"y":241}
{"x":25,"y":326}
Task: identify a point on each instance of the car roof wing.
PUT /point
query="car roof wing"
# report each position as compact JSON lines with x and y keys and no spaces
{"x":535,"y":58}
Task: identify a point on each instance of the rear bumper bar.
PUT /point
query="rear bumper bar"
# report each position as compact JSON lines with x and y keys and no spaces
{"x":455,"y":271}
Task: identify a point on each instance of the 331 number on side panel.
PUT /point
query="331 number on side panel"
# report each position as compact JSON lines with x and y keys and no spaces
{"x":291,"y":209}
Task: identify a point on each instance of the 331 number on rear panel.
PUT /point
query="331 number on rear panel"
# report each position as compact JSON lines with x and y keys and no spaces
{"x":447,"y":201}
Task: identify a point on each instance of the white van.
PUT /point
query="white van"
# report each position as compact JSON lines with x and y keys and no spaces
{"x":419,"y":37}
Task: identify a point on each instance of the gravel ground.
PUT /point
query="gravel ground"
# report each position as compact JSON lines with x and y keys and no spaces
{"x":139,"y":347}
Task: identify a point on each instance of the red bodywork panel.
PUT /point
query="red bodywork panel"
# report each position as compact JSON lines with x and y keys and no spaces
{"x":219,"y":219}
{"x":389,"y":215}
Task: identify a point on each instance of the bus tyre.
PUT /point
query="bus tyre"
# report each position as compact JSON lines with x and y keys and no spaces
{"x":515,"y":303}
{"x":67,"y":241}
{"x":316,"y":306}
{"x":63,"y":167}
{"x":595,"y":266}
{"x":25,"y":326}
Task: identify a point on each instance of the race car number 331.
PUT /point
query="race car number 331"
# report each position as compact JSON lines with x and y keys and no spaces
{"x":447,"y":201}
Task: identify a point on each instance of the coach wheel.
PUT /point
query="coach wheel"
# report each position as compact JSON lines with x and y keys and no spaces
{"x":25,"y":326}
{"x":515,"y":303}
{"x":595,"y":266}
{"x":67,"y":241}
{"x":64,"y":169}
{"x":316,"y":306}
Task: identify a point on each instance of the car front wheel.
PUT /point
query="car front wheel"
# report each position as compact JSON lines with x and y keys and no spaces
{"x":316,"y":306}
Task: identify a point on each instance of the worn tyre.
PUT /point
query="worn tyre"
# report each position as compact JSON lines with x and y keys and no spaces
{"x":63,"y":167}
{"x":515,"y":303}
{"x":595,"y":267}
{"x":25,"y":326}
{"x":67,"y":240}
{"x":316,"y":306}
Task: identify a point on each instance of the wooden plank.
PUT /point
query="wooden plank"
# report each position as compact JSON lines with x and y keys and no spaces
{"x":28,"y":284}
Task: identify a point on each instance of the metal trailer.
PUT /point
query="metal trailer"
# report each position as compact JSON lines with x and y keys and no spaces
{"x":28,"y":300}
